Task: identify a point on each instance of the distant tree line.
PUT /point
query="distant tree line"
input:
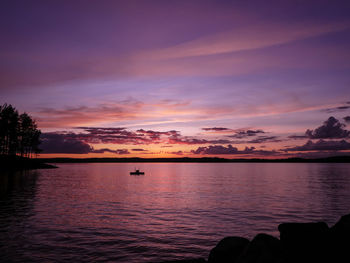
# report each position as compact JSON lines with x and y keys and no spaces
{"x":19,"y":134}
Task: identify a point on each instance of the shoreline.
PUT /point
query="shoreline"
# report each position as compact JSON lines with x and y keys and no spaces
{"x":23,"y":163}
{"x":335,"y":159}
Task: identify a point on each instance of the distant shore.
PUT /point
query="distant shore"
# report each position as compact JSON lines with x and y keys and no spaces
{"x":336,"y":159}
{"x":22,"y":163}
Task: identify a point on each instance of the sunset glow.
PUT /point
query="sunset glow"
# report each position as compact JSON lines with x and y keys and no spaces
{"x":147,"y":79}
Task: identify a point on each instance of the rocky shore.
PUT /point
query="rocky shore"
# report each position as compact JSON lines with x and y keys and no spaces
{"x":298,"y":242}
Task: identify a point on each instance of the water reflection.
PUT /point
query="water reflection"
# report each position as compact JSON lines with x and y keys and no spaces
{"x":12,"y":181}
{"x":98,"y":212}
{"x":17,"y":197}
{"x":335,"y":184}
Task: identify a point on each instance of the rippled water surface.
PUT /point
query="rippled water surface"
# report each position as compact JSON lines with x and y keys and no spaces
{"x":98,"y":212}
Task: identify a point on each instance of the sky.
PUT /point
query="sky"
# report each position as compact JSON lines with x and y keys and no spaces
{"x":185,"y":78}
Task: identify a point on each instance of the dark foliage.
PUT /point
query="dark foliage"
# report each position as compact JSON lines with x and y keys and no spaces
{"x":18,"y":133}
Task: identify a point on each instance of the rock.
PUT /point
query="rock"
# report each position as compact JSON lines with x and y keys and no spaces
{"x":340,"y":240}
{"x":262,"y":249}
{"x":195,"y":260}
{"x":305,"y":242}
{"x":341,"y":229}
{"x":228,"y":250}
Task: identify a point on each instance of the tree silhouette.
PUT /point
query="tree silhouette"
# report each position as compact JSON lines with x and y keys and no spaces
{"x":18,"y":133}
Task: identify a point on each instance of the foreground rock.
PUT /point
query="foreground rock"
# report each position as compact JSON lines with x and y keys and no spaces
{"x":263,"y":249}
{"x":228,"y":250}
{"x":197,"y":260}
{"x":339,"y":239}
{"x":304,"y":242}
{"x":299,"y":242}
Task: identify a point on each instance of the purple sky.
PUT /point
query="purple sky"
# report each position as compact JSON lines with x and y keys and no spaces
{"x":164,"y":70}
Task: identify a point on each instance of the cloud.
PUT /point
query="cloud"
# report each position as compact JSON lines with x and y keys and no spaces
{"x":297,"y":137}
{"x":263,"y":139}
{"x":343,"y":107}
{"x":103,"y":130}
{"x":139,"y":150}
{"x":61,"y":143}
{"x":123,"y":110}
{"x":123,"y":136}
{"x":331,"y":129}
{"x":120,"y":135}
{"x":97,"y":135}
{"x":155,"y":135}
{"x":52,"y":55}
{"x":57,"y":143}
{"x":240,"y":134}
{"x":84,"y":115}
{"x":251,"y":37}
{"x":178,"y":139}
{"x":118,"y":151}
{"x":321,"y":145}
{"x":347,"y":119}
{"x":219,"y":149}
{"x":101,"y":135}
{"x":217,"y":130}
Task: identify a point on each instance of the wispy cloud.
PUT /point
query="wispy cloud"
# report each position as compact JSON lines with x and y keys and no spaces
{"x":217,"y":130}
{"x":264,"y":139}
{"x":244,"y":133}
{"x":85,"y":115}
{"x":138,"y":150}
{"x":342,"y":107}
{"x":160,"y":111}
{"x":210,"y":54}
{"x":117,"y":151}
{"x":245,"y":38}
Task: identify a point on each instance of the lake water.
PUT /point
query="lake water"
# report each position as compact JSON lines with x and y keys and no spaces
{"x":98,"y":212}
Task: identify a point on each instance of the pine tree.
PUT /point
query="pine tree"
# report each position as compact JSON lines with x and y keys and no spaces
{"x":18,"y":133}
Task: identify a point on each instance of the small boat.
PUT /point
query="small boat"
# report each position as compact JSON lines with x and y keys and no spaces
{"x":137,"y":172}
